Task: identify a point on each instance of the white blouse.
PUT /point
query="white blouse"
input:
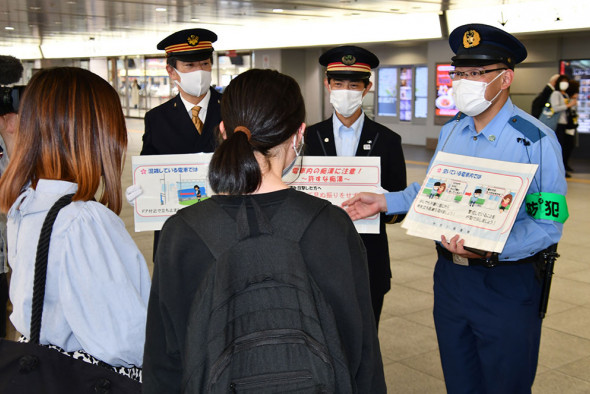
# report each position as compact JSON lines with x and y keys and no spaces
{"x":98,"y":282}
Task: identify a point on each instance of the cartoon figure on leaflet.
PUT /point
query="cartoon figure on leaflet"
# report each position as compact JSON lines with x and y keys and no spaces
{"x":441,"y":189}
{"x":198,"y":193}
{"x":474,"y":197}
{"x":505,"y":204}
{"x":434,"y":190}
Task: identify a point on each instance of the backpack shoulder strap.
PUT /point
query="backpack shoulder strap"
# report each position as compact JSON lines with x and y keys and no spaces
{"x":296,"y":214}
{"x":214,"y":226}
{"x":219,"y":231}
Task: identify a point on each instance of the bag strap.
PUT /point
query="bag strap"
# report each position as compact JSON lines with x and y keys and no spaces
{"x":41,"y":266}
{"x":297,"y":213}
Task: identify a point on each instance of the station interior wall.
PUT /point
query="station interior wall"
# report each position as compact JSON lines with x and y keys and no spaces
{"x":544,"y":53}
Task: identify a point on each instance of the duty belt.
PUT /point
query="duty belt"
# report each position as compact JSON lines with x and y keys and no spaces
{"x":455,"y":258}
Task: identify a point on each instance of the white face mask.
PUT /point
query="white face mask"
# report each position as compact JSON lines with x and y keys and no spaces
{"x":470,"y":96}
{"x":297,"y":153}
{"x":346,"y":102}
{"x":564,"y":85}
{"x":194,"y":83}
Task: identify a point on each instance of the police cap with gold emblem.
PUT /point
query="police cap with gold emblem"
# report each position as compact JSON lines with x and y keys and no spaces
{"x":190,"y":45}
{"x":349,"y":62}
{"x":480,"y":45}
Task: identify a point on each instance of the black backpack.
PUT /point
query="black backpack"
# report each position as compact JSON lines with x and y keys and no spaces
{"x":540,"y":101}
{"x":259,"y":323}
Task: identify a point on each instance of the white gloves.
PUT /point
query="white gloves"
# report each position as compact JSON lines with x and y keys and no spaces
{"x":132,"y":192}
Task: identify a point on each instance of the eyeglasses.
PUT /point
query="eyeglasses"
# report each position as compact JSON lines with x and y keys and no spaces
{"x":474,"y":74}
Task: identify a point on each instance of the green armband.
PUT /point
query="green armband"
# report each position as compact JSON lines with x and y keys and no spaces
{"x":548,"y":206}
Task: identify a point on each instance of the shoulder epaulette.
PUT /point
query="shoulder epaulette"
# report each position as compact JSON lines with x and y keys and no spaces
{"x":457,"y":117}
{"x":527,"y":128}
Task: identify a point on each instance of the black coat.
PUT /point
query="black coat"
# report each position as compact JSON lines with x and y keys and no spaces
{"x":184,"y":260}
{"x":170,"y":130}
{"x":375,"y":140}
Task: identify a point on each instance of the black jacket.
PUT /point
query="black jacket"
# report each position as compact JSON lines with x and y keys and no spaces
{"x":170,"y":130}
{"x":340,"y":272}
{"x":375,"y":140}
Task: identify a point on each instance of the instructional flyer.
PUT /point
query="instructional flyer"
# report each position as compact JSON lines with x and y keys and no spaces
{"x":473,"y":197}
{"x":169,"y":183}
{"x":172,"y":182}
{"x":338,"y":178}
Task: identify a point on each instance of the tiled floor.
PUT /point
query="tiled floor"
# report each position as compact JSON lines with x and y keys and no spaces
{"x":408,"y":339}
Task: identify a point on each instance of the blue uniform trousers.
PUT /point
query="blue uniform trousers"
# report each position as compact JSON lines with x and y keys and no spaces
{"x":488,"y":326}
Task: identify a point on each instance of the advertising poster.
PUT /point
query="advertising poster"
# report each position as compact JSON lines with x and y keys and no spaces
{"x":405,"y":94}
{"x":444,"y":103}
{"x":337,"y":179}
{"x":169,"y":183}
{"x":580,"y":71}
{"x":475,"y":198}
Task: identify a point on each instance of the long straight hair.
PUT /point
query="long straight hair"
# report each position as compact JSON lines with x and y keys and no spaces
{"x":71,"y":128}
{"x":270,"y":105}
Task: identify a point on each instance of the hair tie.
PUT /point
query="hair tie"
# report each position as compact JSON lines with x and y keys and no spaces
{"x":244,"y":130}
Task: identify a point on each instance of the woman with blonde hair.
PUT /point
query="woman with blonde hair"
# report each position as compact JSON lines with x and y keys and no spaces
{"x":71,"y":138}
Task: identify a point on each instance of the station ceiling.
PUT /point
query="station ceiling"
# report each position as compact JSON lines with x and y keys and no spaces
{"x":129,"y":26}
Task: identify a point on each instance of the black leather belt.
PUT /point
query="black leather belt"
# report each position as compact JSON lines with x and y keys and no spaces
{"x":485,"y":263}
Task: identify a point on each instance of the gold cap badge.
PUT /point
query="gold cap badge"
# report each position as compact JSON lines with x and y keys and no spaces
{"x":348,"y":60}
{"x":471,"y":39}
{"x":193,"y":40}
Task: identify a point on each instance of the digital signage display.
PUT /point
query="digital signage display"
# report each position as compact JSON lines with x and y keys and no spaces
{"x":406,"y":96}
{"x":421,"y":92}
{"x":387,"y":91}
{"x":580,"y":71}
{"x":444,"y":103}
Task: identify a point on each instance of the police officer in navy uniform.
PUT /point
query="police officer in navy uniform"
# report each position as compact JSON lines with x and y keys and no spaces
{"x":350,"y":133}
{"x":486,"y":305}
{"x":186,"y":123}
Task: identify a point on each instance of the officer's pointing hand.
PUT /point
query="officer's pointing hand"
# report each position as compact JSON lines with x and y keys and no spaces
{"x":364,"y":205}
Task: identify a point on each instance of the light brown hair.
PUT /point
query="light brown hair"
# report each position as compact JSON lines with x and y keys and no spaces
{"x":71,"y":128}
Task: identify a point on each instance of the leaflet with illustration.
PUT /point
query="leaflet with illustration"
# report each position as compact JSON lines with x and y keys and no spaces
{"x":473,"y":197}
{"x":169,"y":183}
{"x":338,"y":178}
{"x":172,"y":182}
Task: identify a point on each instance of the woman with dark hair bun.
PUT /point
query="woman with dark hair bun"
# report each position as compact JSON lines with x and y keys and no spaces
{"x":249,"y":136}
{"x":262,"y":132}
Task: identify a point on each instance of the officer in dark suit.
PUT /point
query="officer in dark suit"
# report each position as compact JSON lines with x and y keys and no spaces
{"x":186,"y":123}
{"x":173,"y":128}
{"x":350,"y":133}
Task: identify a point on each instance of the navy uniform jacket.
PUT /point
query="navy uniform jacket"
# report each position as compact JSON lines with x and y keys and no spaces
{"x":375,"y":140}
{"x":170,"y":130}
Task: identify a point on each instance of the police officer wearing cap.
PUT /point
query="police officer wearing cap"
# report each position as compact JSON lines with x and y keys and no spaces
{"x":486,"y":305}
{"x":348,"y":132}
{"x":186,"y":123}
